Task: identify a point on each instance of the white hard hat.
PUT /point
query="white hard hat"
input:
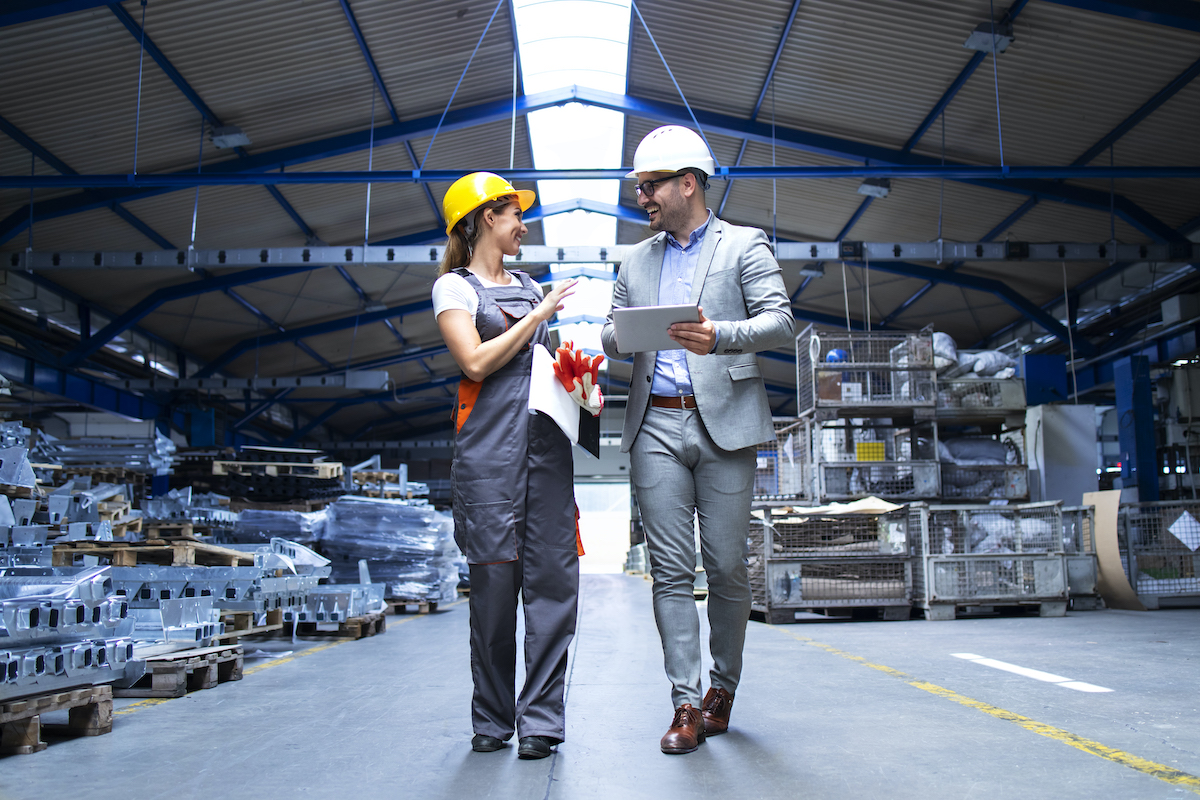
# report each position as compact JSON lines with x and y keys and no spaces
{"x":672,"y":148}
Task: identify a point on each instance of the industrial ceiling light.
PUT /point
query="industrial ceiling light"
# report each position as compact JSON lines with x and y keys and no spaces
{"x":227,"y":136}
{"x":981,"y":38}
{"x":875,"y":187}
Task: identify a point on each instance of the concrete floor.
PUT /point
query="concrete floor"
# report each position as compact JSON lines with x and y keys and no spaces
{"x":826,"y":710}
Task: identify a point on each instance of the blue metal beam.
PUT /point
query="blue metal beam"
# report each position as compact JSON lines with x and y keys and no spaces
{"x":303,"y":346}
{"x":329,"y":326}
{"x":21,"y":138}
{"x":998,"y":288}
{"x":79,"y":388}
{"x":366,"y":51}
{"x":1039,"y":181}
{"x":17,"y":11}
{"x":261,"y":407}
{"x":194,"y":98}
{"x":1149,"y":107}
{"x":1135,"y":426}
{"x":1031,"y":183}
{"x":1183,"y":14}
{"x":169,"y":293}
{"x":1164,"y":94}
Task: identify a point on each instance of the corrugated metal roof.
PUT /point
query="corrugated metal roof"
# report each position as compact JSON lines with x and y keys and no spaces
{"x":290,"y":72}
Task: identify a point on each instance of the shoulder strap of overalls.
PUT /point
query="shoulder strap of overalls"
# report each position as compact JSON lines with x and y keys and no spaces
{"x":469,"y":277}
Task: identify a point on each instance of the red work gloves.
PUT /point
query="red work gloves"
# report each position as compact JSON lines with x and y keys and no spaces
{"x":579,"y":375}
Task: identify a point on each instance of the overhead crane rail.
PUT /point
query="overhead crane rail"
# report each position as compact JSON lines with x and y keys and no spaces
{"x":536,"y":255}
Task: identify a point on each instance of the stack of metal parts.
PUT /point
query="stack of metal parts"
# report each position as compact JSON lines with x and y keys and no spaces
{"x":260,"y":526}
{"x":15,"y":469}
{"x":75,"y":508}
{"x":330,"y":606}
{"x":22,"y":543}
{"x":206,"y":509}
{"x":139,"y":454}
{"x":179,"y":607}
{"x":61,"y":629}
{"x":409,"y":546}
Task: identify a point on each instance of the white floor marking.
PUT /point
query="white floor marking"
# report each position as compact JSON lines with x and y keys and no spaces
{"x":1037,"y":675}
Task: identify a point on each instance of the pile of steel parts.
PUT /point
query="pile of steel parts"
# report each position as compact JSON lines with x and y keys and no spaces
{"x":331,"y":605}
{"x":208,"y":512}
{"x":408,"y":544}
{"x":260,"y":526}
{"x":62,"y":629}
{"x":151,"y":455}
{"x":15,"y":469}
{"x":22,"y":543}
{"x":82,"y":511}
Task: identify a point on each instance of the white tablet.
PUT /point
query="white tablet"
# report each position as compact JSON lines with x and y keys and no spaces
{"x":643,"y":328}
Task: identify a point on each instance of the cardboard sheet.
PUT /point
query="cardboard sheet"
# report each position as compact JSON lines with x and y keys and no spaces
{"x":1110,"y":575}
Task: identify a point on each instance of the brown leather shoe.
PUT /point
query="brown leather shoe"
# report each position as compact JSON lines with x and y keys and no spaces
{"x":686,"y":731}
{"x":716,"y":708}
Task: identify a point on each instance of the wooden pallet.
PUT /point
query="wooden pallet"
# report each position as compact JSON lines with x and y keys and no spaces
{"x":123,"y":528}
{"x":176,"y":674}
{"x":401,"y":606}
{"x":241,"y":623}
{"x":375,"y":476}
{"x":153,"y":551}
{"x":331,"y":469}
{"x":353,"y":628}
{"x":168,"y":529}
{"x":89,"y":710}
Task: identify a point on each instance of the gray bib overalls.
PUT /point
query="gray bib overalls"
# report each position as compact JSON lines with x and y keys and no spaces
{"x":514,"y":518}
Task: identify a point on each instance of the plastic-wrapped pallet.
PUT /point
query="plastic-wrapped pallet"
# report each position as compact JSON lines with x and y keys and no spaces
{"x":258,"y":525}
{"x":408,"y":546}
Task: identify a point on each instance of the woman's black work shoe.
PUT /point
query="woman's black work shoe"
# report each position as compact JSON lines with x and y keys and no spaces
{"x":482,"y":743}
{"x":533,"y":747}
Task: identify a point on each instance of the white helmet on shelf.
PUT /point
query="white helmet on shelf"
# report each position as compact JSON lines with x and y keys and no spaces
{"x":672,"y":148}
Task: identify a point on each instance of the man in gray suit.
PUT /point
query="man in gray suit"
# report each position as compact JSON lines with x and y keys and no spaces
{"x":695,"y":416}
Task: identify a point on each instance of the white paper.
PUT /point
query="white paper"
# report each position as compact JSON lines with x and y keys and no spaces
{"x":546,"y":394}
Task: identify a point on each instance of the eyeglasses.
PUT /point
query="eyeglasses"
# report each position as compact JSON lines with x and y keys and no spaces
{"x":646,"y":189}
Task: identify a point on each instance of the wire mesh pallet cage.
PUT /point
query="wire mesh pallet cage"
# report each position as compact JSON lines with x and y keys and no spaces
{"x":1079,"y":546}
{"x":984,"y":468}
{"x":875,"y":457}
{"x":783,"y":470}
{"x":831,"y":563}
{"x":1160,"y":547}
{"x":976,"y":398}
{"x":979,"y":557}
{"x":845,"y":371}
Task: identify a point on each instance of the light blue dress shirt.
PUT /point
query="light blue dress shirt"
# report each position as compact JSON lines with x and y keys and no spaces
{"x":671,"y":376}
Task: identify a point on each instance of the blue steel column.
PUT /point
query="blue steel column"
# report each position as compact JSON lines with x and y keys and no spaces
{"x":1135,"y":426}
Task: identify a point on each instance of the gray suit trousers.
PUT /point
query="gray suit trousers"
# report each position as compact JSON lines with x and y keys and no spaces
{"x":679,"y":472}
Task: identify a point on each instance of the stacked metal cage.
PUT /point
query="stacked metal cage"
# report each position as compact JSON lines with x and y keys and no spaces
{"x":1160,"y":548}
{"x":875,"y":457}
{"x":847,"y":371}
{"x":1079,"y":547}
{"x":783,"y":470}
{"x":977,"y":557}
{"x":1001,"y":477}
{"x":969,"y":397}
{"x":829,"y":562}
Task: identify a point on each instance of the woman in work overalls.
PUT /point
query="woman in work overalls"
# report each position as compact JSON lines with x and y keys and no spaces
{"x":511,"y":478}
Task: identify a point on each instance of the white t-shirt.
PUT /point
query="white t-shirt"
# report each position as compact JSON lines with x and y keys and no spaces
{"x":451,"y":291}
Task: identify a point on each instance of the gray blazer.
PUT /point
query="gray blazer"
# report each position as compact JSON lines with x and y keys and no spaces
{"x":740,"y":287}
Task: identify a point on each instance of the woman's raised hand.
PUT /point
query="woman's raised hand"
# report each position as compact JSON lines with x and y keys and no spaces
{"x":552,"y":303}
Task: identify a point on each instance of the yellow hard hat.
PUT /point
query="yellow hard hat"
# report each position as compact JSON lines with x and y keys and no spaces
{"x":471,"y":191}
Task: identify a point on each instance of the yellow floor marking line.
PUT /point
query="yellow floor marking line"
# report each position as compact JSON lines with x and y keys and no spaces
{"x":275,"y":662}
{"x":1161,"y":771}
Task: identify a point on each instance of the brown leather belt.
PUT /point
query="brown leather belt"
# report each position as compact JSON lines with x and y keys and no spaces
{"x":665,"y":401}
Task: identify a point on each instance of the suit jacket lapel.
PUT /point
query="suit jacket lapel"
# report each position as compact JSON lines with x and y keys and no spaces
{"x":707,"y":250}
